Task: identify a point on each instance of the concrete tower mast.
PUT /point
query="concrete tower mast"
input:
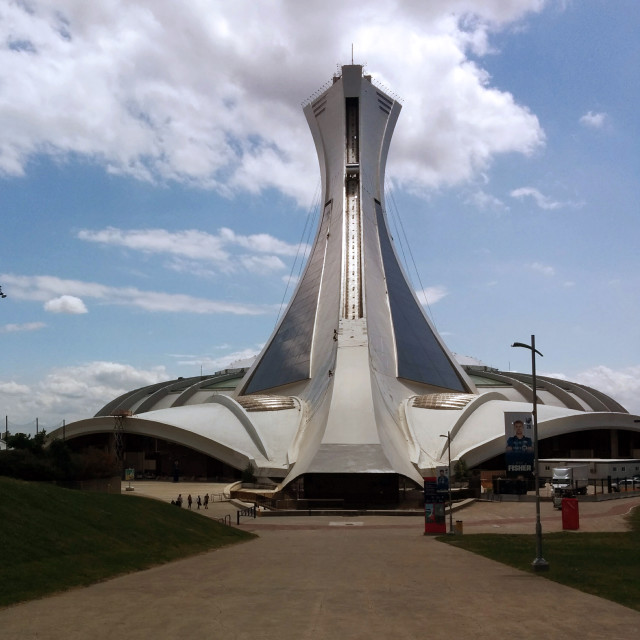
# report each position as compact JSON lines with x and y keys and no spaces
{"x":354,"y":341}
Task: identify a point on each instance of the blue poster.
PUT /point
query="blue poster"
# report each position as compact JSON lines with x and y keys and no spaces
{"x":519,"y":444}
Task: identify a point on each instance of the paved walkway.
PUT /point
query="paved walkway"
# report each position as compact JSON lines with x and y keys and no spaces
{"x":330,"y":577}
{"x":479,"y":517}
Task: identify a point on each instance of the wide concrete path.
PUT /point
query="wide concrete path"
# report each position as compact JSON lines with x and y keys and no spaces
{"x":328,"y":578}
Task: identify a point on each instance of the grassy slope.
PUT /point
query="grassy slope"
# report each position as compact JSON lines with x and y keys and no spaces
{"x":52,"y":539}
{"x":604,"y":564}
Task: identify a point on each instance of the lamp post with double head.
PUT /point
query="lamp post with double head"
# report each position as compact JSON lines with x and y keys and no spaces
{"x":539,"y":564}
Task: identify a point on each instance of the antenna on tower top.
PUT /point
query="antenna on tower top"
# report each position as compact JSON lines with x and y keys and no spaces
{"x":352,"y":53}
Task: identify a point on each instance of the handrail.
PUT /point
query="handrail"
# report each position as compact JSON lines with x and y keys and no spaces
{"x":250,"y":511}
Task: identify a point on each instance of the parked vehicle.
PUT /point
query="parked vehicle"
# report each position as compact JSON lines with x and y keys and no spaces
{"x":628,"y":484}
{"x":568,"y":482}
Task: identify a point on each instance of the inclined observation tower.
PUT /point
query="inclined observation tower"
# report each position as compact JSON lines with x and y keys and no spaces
{"x":354,"y":341}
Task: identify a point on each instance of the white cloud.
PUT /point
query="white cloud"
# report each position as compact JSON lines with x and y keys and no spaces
{"x":27,"y":326}
{"x":193,"y":268}
{"x":169,"y":91}
{"x":65,"y":304}
{"x":191,"y":248}
{"x":190,"y":244}
{"x":236,"y":359}
{"x":486,"y":201}
{"x":13,"y":389}
{"x":593,"y":120}
{"x":544,"y":202}
{"x":97,"y":379}
{"x":431,"y":295}
{"x":261,"y":243}
{"x":544,"y":269}
{"x":262,"y":264}
{"x":42,"y":288}
{"x":245,"y":360}
{"x":75,"y":392}
{"x":623,"y":385}
{"x":468,"y":360}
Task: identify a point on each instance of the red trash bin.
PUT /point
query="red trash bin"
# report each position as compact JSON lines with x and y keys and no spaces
{"x":570,"y":514}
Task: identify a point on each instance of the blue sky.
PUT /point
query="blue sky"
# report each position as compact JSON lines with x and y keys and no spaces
{"x":156,"y":176}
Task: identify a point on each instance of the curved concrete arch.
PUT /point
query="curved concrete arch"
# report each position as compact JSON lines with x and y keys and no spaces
{"x":609,"y":403}
{"x":243,"y":418}
{"x":471,"y":408}
{"x":234,"y":457}
{"x":188,"y":393}
{"x":412,"y":440}
{"x":428,"y":426}
{"x":154,"y":393}
{"x":129,"y":399}
{"x":587,"y":421}
{"x":594,"y":399}
{"x":87,"y":427}
{"x":549,"y":426}
{"x":590,"y":398}
{"x":154,"y":399}
{"x":194,"y":388}
{"x":521,"y":387}
{"x":562,"y":395}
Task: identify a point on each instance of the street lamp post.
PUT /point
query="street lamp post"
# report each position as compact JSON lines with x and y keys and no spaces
{"x":448,"y":437}
{"x":539,"y":564}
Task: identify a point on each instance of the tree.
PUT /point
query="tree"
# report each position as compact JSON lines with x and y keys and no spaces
{"x":249,"y":475}
{"x":460,"y":471}
{"x":28,"y":458}
{"x":24,"y":442}
{"x":60,"y":457}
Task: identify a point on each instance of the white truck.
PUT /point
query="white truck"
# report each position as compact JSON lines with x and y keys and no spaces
{"x":568,"y":482}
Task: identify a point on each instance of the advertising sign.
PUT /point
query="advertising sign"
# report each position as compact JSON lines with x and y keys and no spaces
{"x":443,"y":479}
{"x":129,"y":474}
{"x":518,"y":444}
{"x":434,"y":501}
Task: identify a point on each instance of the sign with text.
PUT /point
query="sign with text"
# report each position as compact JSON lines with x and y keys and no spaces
{"x":518,"y":429}
{"x":434,"y":502}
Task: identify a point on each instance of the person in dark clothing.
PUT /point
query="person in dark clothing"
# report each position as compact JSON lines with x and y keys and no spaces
{"x":443,"y":481}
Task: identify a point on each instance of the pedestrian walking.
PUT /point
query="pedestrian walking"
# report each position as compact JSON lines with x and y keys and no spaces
{"x":206,"y":500}
{"x":189,"y":500}
{"x":198,"y":501}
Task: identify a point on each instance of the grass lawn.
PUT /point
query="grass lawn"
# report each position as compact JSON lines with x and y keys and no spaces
{"x":604,"y":564}
{"x":52,"y":539}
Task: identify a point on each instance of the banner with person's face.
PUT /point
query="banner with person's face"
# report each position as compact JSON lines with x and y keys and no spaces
{"x":442,"y":478}
{"x":518,"y":443}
